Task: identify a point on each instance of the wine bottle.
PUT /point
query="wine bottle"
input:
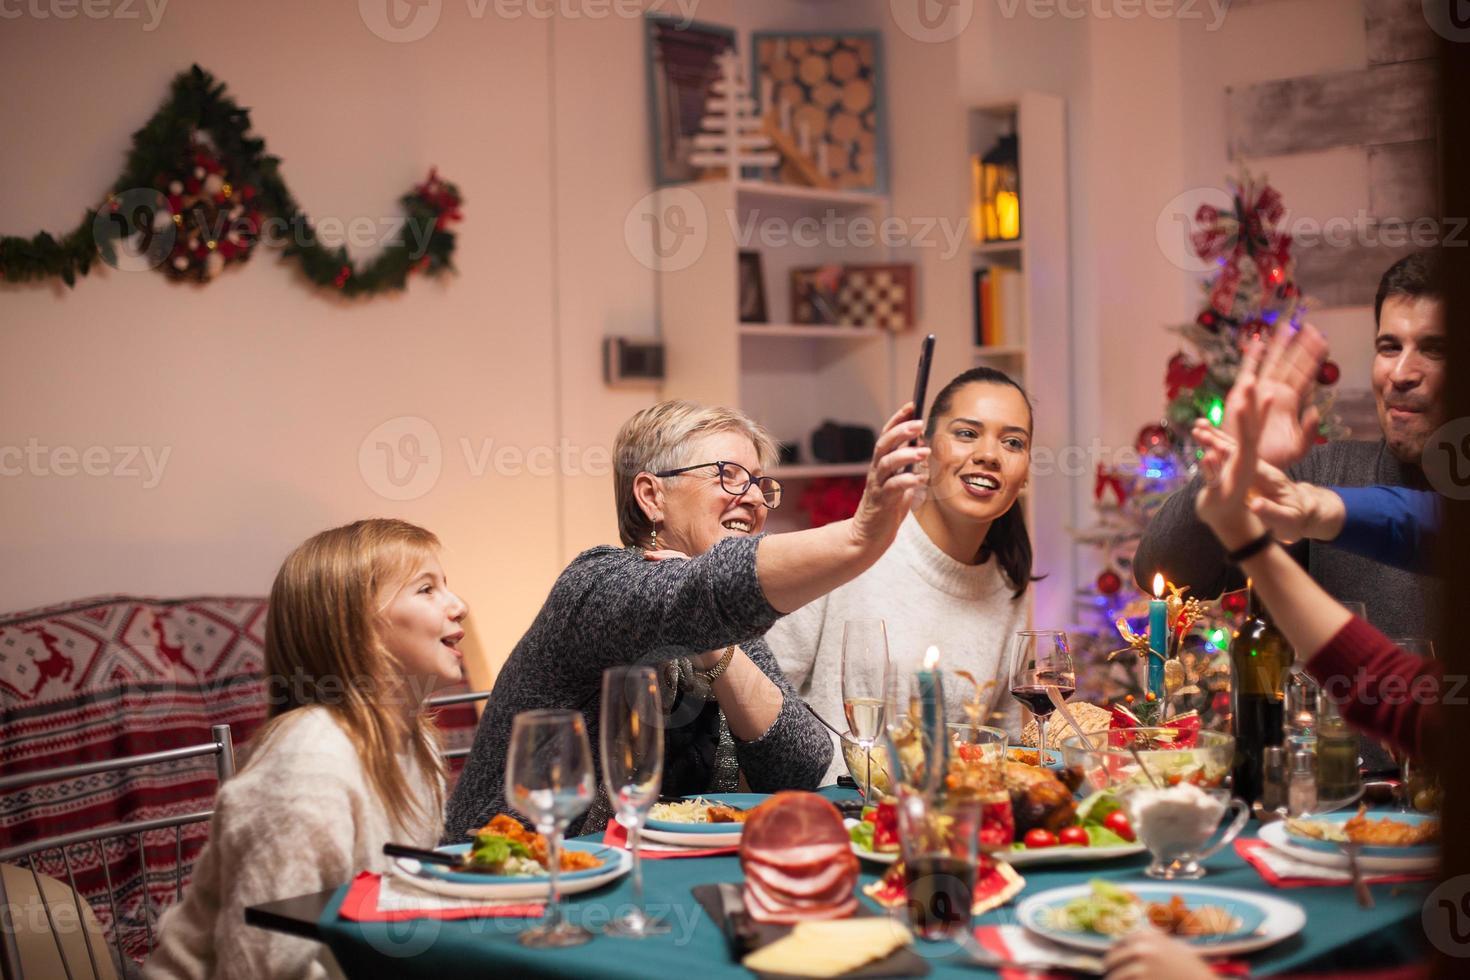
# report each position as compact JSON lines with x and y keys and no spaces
{"x":1260,"y":659}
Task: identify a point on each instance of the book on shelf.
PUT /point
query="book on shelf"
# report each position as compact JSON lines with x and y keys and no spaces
{"x":999,"y":306}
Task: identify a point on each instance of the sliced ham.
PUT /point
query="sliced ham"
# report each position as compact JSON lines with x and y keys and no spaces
{"x":798,"y":861}
{"x":819,"y":880}
{"x":773,"y":899}
{"x":789,"y":916}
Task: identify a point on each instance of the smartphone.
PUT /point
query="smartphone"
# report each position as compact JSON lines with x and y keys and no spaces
{"x":921,"y":384}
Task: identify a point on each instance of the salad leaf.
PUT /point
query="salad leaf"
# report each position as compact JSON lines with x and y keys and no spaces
{"x":493,"y":849}
{"x":1100,"y":836}
{"x":1096,"y":808}
{"x":862,"y":834}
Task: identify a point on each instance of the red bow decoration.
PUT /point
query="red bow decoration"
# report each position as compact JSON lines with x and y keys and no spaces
{"x":1183,"y":375}
{"x":1106,"y":479}
{"x":1251,"y":233}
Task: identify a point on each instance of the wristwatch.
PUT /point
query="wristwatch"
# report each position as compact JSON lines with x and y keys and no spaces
{"x":717,"y":671}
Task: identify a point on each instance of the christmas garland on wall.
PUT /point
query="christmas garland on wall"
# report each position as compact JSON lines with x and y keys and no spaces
{"x":200,"y":193}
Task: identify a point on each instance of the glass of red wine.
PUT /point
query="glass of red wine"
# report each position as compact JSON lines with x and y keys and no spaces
{"x":1040,"y":659}
{"x":939,"y":835}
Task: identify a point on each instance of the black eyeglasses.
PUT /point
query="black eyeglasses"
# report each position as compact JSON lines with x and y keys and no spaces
{"x":736,"y":480}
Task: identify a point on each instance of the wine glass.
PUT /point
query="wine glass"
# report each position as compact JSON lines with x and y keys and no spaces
{"x":631,"y":742}
{"x":548,"y":778}
{"x":864,"y":674}
{"x":1041,"y":659}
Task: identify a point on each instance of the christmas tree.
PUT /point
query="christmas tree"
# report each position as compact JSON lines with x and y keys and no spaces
{"x":1251,"y":293}
{"x":734,"y":134}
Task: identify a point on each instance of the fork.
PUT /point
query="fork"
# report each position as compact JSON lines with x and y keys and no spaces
{"x":1351,"y":849}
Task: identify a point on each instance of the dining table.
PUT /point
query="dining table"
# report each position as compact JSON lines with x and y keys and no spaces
{"x":1340,"y":936}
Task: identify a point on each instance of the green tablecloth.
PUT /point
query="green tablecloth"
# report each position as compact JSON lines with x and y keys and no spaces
{"x":1339,"y":935}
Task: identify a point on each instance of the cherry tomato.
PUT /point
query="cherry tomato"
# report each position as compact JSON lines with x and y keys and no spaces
{"x":1118,"y":823}
{"x":870,"y":815}
{"x":1074,"y":835}
{"x":1040,"y":838}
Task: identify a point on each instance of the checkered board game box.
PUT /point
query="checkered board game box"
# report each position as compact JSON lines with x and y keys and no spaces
{"x":867,"y":296}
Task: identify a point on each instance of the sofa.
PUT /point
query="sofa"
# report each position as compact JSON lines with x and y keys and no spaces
{"x":121,"y":675}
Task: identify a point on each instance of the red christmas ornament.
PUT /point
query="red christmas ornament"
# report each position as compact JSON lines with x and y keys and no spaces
{"x":1234,"y":602}
{"x":1182,"y":374}
{"x":1209,"y":320}
{"x":1109,"y":582}
{"x":1328,"y":373}
{"x":342,"y":275}
{"x":1152,"y":438}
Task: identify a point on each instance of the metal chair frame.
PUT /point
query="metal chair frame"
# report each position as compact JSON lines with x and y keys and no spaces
{"x":222,"y":747}
{"x":445,"y":700}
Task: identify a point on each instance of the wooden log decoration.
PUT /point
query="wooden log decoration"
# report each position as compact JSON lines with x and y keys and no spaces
{"x":824,"y":117}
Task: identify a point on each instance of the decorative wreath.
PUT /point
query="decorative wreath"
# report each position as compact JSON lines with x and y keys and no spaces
{"x":196,"y":194}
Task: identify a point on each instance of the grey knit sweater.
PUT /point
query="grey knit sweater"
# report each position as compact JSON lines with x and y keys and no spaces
{"x":612,"y":606}
{"x":1399,"y":603}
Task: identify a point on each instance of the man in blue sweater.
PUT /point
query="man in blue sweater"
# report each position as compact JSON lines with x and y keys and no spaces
{"x":1408,"y":383}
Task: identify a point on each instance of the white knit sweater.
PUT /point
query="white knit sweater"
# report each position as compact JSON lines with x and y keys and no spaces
{"x":301,"y":817}
{"x":925,"y":597}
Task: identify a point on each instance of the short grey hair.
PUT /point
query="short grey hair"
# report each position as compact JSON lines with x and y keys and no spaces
{"x":656,"y":439}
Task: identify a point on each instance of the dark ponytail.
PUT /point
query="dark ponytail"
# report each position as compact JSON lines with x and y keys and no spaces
{"x":1007,"y":538}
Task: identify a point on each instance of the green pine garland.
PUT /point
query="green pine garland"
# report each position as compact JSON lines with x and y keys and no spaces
{"x":198,"y":104}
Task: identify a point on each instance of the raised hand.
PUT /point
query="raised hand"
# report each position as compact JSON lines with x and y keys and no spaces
{"x":1230,"y":469}
{"x":890,"y":492}
{"x":1290,"y":510}
{"x":1286,"y":376}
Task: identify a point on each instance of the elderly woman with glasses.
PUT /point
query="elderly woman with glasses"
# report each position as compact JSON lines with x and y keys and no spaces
{"x":691,"y":487}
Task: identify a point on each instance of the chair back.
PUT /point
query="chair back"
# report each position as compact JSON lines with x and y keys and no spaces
{"x":221,"y":747}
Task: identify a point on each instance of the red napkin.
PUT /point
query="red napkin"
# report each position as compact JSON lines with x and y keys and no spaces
{"x":361,"y":905}
{"x":1247,"y":848}
{"x":616,"y":835}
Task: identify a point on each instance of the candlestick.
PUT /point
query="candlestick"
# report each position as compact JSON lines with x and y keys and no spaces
{"x":1158,"y":639}
{"x":931,"y":699}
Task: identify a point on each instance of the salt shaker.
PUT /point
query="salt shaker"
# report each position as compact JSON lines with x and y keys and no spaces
{"x":1302,"y":788}
{"x":1273,"y":780}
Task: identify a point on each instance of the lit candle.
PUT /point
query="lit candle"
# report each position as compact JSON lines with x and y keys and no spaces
{"x":1158,"y":637}
{"x":931,"y":698}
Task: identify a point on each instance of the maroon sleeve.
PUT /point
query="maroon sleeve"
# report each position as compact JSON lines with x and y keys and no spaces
{"x":1382,"y":690}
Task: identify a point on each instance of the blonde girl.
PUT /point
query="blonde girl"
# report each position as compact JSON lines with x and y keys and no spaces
{"x":361,"y":628}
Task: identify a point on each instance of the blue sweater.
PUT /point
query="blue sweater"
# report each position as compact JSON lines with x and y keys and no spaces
{"x":1394,"y":525}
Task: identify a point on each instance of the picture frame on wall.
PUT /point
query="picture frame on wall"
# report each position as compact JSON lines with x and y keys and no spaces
{"x":752,"y":288}
{"x":682,"y":60}
{"x":825,"y":90}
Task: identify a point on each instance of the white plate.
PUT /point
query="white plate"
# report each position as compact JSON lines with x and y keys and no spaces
{"x":1275,"y":835}
{"x":701,"y":840}
{"x":407,"y":870}
{"x":1282,"y":919}
{"x":1068,"y":855}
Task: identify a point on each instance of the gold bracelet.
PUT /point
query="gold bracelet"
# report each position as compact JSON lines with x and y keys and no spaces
{"x":715,"y":672}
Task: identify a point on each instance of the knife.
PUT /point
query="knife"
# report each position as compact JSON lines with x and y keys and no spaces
{"x":735,"y":922}
{"x":1351,"y":849}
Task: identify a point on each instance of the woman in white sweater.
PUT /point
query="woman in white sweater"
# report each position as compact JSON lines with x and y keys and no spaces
{"x":956,"y":574}
{"x":362,"y":627}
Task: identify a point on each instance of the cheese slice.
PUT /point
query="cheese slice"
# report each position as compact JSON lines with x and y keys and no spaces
{"x":830,"y":949}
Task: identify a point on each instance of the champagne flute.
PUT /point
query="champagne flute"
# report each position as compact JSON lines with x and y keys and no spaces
{"x":1041,"y":659}
{"x":864,"y":675}
{"x":631,"y":742}
{"x":548,"y":779}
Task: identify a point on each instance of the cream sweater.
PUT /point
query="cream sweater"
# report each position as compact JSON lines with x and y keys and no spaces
{"x":925,"y":597}
{"x":301,"y":817}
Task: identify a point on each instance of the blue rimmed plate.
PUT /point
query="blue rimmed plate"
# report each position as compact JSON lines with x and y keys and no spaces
{"x":1426,"y":850}
{"x":1264,"y":919}
{"x":737,"y":801}
{"x":444,"y":880}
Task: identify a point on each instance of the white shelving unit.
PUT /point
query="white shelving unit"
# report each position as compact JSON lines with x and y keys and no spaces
{"x":790,"y":377}
{"x":1040,"y":356}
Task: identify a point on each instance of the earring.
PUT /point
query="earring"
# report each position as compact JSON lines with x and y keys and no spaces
{"x":653,"y":543}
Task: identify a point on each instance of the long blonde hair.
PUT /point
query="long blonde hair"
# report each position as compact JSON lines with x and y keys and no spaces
{"x":323,"y":646}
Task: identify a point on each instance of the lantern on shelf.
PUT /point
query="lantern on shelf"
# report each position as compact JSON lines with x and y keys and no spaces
{"x":998,"y":191}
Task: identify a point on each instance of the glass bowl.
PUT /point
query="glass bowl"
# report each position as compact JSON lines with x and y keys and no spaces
{"x":1206,"y":763}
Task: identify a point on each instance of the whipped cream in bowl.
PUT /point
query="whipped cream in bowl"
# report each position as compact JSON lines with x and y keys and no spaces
{"x":1176,"y":823}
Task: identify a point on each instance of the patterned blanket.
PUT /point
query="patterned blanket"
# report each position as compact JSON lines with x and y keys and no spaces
{"x":116,"y":676}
